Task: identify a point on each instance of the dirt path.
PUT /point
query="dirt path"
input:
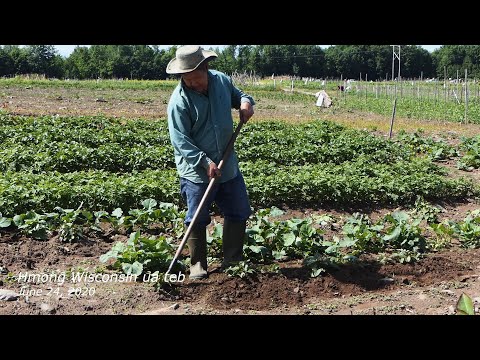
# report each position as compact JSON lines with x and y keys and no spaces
{"x":152,"y":104}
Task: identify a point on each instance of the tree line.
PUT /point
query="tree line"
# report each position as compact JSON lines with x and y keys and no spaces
{"x":149,"y":62}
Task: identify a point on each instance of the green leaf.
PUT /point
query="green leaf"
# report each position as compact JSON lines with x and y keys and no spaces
{"x":5,"y":222}
{"x":109,"y":255}
{"x":149,"y":203}
{"x":465,"y":305}
{"x":119,"y":247}
{"x":274,"y":211}
{"x":117,"y":212}
{"x":132,"y":269}
{"x":40,"y":234}
{"x":133,"y":238}
{"x":278,"y":255}
{"x":377,"y":228}
{"x":316,"y":272}
{"x":18,"y":219}
{"x":345,"y":243}
{"x":331,"y":249}
{"x":393,"y":235}
{"x":400,"y":216}
{"x":293,"y":224}
{"x":307,"y":230}
{"x":87,"y":214}
{"x":100,"y":214}
{"x":251,"y":232}
{"x":289,"y":239}
{"x":217,"y":231}
{"x":258,"y":249}
{"x":298,"y":241}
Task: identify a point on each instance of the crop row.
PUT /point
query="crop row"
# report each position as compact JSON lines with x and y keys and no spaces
{"x":400,"y":236}
{"x":351,"y":183}
{"x":80,"y":144}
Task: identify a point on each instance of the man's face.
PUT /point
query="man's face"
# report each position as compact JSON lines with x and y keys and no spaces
{"x":196,"y":80}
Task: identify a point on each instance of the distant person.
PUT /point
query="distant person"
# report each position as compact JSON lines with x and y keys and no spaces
{"x":200,"y":124}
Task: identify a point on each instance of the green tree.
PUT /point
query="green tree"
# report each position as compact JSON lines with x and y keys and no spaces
{"x":450,"y":57}
{"x":415,"y":60}
{"x":6,"y":63}
{"x":161,"y":59}
{"x":142,"y":62}
{"x":382,"y":62}
{"x":102,"y":61}
{"x":19,"y":59}
{"x":42,"y":60}
{"x":78,"y":64}
{"x":471,"y":61}
{"x":226,"y":61}
{"x":310,"y":60}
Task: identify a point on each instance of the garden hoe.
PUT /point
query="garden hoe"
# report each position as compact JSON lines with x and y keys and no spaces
{"x":226,"y":154}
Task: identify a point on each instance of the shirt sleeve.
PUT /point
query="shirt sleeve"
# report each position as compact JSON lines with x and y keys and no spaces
{"x":179,"y":126}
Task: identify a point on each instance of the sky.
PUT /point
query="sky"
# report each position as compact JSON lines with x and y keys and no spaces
{"x":66,"y":50}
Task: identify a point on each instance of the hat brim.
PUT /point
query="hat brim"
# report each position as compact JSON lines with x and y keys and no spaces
{"x":174,"y":68}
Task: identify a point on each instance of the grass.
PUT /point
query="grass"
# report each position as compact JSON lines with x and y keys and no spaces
{"x":272,"y":104}
{"x":90,"y":84}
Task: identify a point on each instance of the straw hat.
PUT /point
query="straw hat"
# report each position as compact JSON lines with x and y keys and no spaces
{"x":188,"y":58}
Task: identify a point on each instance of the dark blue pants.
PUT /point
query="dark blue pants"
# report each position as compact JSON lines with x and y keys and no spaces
{"x":230,"y":196}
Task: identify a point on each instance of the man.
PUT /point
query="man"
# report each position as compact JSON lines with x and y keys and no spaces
{"x":200,"y":124}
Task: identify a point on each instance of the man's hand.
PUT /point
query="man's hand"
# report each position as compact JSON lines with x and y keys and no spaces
{"x":246,"y":111}
{"x":213,"y":171}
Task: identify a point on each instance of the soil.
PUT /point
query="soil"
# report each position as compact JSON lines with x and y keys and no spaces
{"x":152,"y":104}
{"x":430,"y":286}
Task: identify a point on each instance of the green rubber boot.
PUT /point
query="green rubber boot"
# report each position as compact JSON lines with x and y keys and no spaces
{"x":197,"y":245}
{"x":232,"y":239}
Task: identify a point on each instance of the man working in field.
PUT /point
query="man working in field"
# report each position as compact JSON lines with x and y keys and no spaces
{"x":200,"y":124}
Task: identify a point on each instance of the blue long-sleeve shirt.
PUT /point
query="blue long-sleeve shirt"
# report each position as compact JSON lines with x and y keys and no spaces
{"x":201,"y":126}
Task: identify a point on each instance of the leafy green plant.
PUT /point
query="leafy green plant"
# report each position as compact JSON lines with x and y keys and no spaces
{"x":444,"y":232}
{"x":426,"y":211}
{"x":465,"y":305}
{"x":317,"y":264}
{"x":471,"y":158}
{"x":401,"y":256}
{"x":165,"y":214}
{"x":261,"y":236}
{"x":272,"y":268}
{"x":167,"y":218}
{"x":241,"y":269}
{"x":214,"y":241}
{"x":436,"y":150}
{"x":279,"y":240}
{"x":5,"y":222}
{"x":468,"y":230}
{"x":324,"y":220}
{"x":141,"y":254}
{"x":364,"y":236}
{"x":404,"y":233}
{"x":340,"y":250}
{"x":33,"y":224}
{"x":71,"y":223}
{"x":301,"y":238}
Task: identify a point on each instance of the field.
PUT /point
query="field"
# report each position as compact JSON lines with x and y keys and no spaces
{"x":345,"y":220}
